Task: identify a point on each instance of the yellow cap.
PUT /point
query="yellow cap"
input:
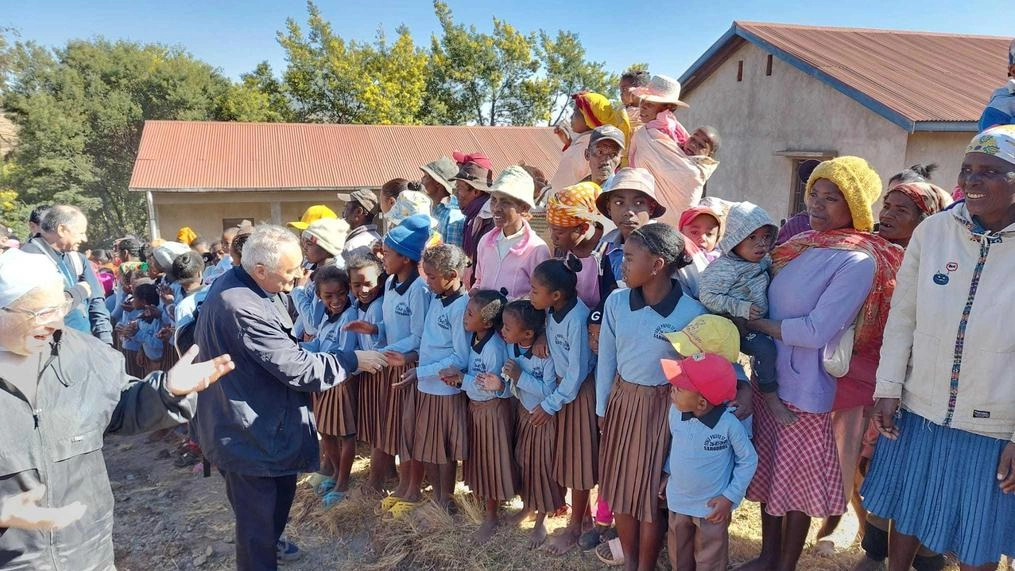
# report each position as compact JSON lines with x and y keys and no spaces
{"x":313,"y":214}
{"x":708,"y":334}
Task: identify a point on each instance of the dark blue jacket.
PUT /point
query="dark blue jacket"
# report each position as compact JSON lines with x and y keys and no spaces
{"x":257,"y":420}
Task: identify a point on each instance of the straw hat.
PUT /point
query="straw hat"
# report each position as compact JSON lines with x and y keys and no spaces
{"x":661,"y":89}
{"x":514,"y":182}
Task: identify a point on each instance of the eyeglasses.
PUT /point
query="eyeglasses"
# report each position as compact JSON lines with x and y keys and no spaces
{"x":46,"y":314}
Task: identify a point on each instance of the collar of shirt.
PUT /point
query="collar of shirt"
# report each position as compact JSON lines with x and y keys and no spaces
{"x":333,"y":317}
{"x":401,"y":288}
{"x":559,"y":316}
{"x":523,"y":351}
{"x":709,"y":419}
{"x":664,"y":307}
{"x":479,"y":342}
{"x":449,"y":298}
{"x":364,"y":306}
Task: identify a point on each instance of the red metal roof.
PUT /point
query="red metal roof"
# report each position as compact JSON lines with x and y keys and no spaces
{"x":909,"y":77}
{"x":196,"y":155}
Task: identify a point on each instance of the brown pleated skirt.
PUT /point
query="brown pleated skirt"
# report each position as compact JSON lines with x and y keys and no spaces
{"x":399,"y":422}
{"x":169,"y":356}
{"x":372,"y":406}
{"x":441,"y":429}
{"x":130,"y":364}
{"x":490,"y":470}
{"x":335,"y":409}
{"x":576,"y":463}
{"x":636,"y":441}
{"x":534,"y":455}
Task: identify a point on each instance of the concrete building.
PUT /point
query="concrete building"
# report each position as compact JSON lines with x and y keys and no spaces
{"x":212,"y":175}
{"x":782,"y":94}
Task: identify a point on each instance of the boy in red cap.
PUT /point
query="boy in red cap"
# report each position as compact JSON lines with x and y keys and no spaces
{"x":711,"y":461}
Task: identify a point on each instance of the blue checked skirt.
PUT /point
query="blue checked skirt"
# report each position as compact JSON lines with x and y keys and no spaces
{"x":939,"y":484}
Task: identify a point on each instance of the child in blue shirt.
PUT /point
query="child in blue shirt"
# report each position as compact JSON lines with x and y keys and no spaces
{"x":335,"y":408}
{"x":711,"y":461}
{"x":531,"y":380}
{"x":571,"y":406}
{"x":149,"y":322}
{"x":439,"y":435}
{"x":489,"y":468}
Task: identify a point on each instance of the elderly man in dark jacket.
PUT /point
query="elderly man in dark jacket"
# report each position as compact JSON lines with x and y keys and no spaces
{"x":60,"y":391}
{"x":256,"y":425}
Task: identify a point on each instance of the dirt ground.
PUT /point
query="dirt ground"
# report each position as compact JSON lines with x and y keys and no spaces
{"x":171,"y":518}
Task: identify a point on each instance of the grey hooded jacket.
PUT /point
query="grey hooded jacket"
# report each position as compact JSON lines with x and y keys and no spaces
{"x":731,"y":285}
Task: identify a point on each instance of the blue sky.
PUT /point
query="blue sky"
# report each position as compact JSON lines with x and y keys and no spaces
{"x":235,"y":35}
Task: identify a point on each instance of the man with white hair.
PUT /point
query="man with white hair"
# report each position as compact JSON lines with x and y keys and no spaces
{"x":62,"y":230}
{"x":256,"y":424}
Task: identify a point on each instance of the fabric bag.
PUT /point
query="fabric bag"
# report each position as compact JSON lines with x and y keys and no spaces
{"x":837,"y":355}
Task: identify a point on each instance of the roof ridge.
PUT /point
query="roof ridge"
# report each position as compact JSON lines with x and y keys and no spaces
{"x":347,"y":125}
{"x":751,"y":23}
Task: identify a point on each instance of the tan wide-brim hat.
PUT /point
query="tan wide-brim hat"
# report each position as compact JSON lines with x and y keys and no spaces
{"x":661,"y":89}
{"x":631,"y":179}
{"x":514,"y":182}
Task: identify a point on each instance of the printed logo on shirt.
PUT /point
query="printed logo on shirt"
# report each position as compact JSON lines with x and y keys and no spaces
{"x":443,"y":322}
{"x":662,"y":329}
{"x":716,"y":442}
{"x":561,"y":341}
{"x":478,"y":365}
{"x":537,"y":372}
{"x":403,"y":309}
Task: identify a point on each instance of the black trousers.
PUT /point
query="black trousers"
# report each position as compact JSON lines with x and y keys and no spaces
{"x":261,"y":506}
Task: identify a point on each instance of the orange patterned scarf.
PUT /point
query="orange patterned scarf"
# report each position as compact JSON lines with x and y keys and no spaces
{"x":887,"y":258}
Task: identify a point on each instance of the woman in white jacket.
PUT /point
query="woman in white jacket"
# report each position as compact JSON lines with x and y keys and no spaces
{"x":944,"y":470}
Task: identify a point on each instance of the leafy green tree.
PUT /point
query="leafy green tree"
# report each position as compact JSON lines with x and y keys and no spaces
{"x":568,"y":71}
{"x":80,"y":111}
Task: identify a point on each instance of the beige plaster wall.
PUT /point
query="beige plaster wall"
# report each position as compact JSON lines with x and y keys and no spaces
{"x":789,"y":110}
{"x":945,"y":149}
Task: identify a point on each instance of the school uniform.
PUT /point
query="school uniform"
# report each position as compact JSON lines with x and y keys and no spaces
{"x":394,"y":410}
{"x":130,"y":345}
{"x":151,"y":345}
{"x":573,"y":401}
{"x":536,"y":445}
{"x":440,"y":427}
{"x":335,"y":408}
{"x":373,"y":387}
{"x":489,"y":470}
{"x":710,"y":456}
{"x":633,"y":395}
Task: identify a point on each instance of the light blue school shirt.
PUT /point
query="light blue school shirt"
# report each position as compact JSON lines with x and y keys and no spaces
{"x":372,"y":312}
{"x":153,"y":346}
{"x":445,"y":343}
{"x":710,"y":456}
{"x":537,"y":380}
{"x":331,"y":337}
{"x":404,"y":312}
{"x":131,"y":343}
{"x":487,"y":355}
{"x":567,"y":336}
{"x":632,"y":338}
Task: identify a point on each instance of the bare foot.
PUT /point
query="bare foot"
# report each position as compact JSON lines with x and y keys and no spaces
{"x":759,"y":564}
{"x":538,"y":536}
{"x":564,"y":541}
{"x":521,"y":517}
{"x":783,"y":415}
{"x":485,"y":532}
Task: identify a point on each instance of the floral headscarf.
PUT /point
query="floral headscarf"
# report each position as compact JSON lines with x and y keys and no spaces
{"x":573,"y":205}
{"x":998,"y":141}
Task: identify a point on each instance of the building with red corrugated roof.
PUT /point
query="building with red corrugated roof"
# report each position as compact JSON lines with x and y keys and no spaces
{"x":781,"y":94}
{"x":211,"y":175}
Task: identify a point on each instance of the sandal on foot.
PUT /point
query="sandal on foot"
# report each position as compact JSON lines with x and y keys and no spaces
{"x":611,"y":553}
{"x":326,"y":485}
{"x":331,"y":499}
{"x":404,"y":508}
{"x":389,"y":502}
{"x":591,"y":538}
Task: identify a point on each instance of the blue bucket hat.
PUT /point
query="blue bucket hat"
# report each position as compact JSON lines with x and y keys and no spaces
{"x":410,"y":237}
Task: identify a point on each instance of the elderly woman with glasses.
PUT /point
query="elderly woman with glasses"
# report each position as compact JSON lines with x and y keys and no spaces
{"x":61,"y":391}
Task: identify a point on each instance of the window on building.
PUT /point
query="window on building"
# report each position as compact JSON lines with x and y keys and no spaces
{"x":798,"y":187}
{"x":740,"y":70}
{"x":768,"y":65}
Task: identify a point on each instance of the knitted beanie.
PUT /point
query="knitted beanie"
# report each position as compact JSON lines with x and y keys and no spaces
{"x":410,"y":237}
{"x":858,"y":183}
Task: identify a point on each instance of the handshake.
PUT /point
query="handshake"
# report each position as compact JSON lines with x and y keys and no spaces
{"x":370,"y":361}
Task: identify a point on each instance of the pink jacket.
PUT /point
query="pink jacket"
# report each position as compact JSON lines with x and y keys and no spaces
{"x":514,"y":272}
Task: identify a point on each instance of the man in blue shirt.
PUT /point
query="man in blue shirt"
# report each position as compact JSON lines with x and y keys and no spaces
{"x":1001,"y":108}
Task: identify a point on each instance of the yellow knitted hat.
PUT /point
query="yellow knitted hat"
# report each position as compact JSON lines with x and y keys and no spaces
{"x":858,"y":183}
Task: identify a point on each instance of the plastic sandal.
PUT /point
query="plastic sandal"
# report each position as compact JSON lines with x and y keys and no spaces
{"x":326,"y":485}
{"x":389,"y":502}
{"x":331,"y":499}
{"x":403,"y":508}
{"x":611,"y":553}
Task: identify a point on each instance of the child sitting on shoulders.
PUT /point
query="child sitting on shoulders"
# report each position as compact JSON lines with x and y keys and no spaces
{"x":736,"y":285}
{"x":335,"y":408}
{"x":711,"y":462}
{"x":489,"y":469}
{"x":531,"y":380}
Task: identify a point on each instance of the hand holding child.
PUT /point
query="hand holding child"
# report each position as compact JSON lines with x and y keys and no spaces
{"x":451,"y":376}
{"x":721,"y":509}
{"x":512,"y":370}
{"x":541,"y":348}
{"x":395,"y":359}
{"x":756,"y":312}
{"x":490,"y":382}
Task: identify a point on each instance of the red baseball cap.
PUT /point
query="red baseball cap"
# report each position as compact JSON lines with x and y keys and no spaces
{"x":707,"y":373}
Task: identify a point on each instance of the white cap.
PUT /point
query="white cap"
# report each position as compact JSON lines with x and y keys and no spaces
{"x":21,"y":272}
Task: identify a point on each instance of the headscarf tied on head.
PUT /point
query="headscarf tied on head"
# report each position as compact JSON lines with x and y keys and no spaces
{"x":998,"y":141}
{"x":929,"y":198}
{"x":598,"y":111}
{"x":186,"y":235}
{"x":574,"y":205}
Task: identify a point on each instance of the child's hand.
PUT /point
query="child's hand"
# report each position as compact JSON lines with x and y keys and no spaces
{"x":362,"y":327}
{"x":511,"y":369}
{"x":395,"y":359}
{"x":166,"y":293}
{"x":407,"y":378}
{"x":540,"y":348}
{"x":1006,"y":469}
{"x":490,"y":382}
{"x":540,"y":416}
{"x":756,"y":312}
{"x":451,"y":377}
{"x":662,"y":486}
{"x":140,"y":360}
{"x":721,"y":509}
